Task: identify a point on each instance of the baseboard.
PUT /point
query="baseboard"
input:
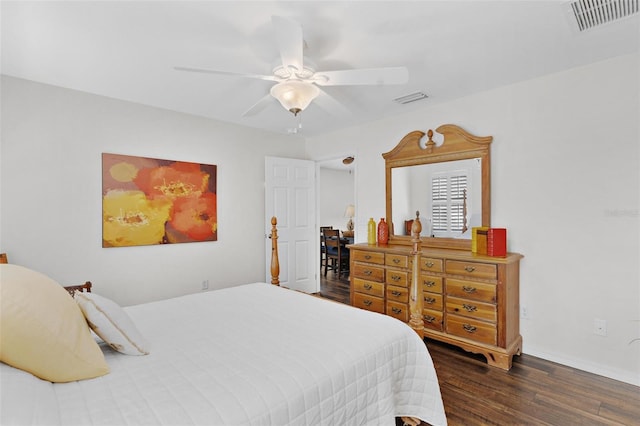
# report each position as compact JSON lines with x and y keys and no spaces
{"x":599,"y":369}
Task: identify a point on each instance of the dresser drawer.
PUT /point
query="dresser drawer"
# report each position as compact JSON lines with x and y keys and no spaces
{"x":471,"y":309}
{"x":368,"y":272}
{"x":471,"y":329}
{"x":397,"y":294}
{"x":397,"y":277}
{"x":397,"y":260}
{"x":431,"y":283}
{"x":370,"y":303}
{"x":471,"y":290}
{"x":432,"y":319}
{"x":487,"y":271}
{"x":432,"y":301}
{"x":398,"y":310}
{"x":368,"y":287}
{"x":367,"y":256}
{"x":431,"y":264}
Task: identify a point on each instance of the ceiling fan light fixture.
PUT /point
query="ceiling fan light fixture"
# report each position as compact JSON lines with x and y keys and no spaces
{"x":294,"y":95}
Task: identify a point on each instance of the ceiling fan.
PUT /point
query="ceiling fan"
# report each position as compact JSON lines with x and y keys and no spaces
{"x":297,"y":79}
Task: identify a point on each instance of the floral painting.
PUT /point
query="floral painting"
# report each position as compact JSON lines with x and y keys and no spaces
{"x":148,"y":201}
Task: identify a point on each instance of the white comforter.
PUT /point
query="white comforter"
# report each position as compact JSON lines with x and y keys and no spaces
{"x":254,"y":354}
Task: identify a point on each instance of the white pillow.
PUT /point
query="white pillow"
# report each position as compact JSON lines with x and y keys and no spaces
{"x":109,"y":321}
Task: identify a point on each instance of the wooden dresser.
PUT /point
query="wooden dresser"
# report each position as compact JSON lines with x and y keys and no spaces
{"x":469,"y":300}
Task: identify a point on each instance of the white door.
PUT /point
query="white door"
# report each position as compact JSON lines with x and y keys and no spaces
{"x":290,"y":197}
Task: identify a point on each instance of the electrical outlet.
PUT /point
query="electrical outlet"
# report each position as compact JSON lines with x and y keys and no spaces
{"x":524,"y":312}
{"x":600,"y":327}
{"x":205,"y":285}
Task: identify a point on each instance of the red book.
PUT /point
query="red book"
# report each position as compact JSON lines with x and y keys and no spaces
{"x":497,"y":242}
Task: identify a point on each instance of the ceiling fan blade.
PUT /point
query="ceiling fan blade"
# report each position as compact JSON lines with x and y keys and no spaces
{"x":289,"y":39}
{"x":331,"y":105}
{"x":259,"y":106}
{"x":236,"y":74}
{"x":362,"y":76}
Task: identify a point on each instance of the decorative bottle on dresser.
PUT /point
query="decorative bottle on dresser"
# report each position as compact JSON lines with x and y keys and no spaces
{"x":383,"y":232}
{"x":371,"y":232}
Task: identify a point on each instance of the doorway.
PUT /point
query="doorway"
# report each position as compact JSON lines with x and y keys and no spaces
{"x":335,"y":193}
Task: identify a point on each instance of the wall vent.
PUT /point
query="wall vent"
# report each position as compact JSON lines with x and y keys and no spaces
{"x":593,"y":13}
{"x":411,"y":98}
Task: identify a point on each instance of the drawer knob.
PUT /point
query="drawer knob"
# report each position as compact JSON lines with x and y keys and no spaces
{"x":429,"y":318}
{"x":396,"y":261}
{"x":467,"y":289}
{"x":469,"y":268}
{"x":367,"y":272}
{"x":367,"y":302}
{"x":368,"y":287}
{"x":396,"y":310}
{"x":469,"y":328}
{"x":429,"y":283}
{"x":469,"y":308}
{"x":368,"y":256}
{"x":430,"y":300}
{"x":396,"y":293}
{"x":396,"y":277}
{"x":428,"y":264}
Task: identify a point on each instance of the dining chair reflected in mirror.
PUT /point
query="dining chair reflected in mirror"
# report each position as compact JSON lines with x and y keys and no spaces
{"x":336,"y":252}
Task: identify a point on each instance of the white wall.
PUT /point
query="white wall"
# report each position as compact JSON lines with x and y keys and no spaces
{"x":336,"y":193}
{"x":565,"y":182}
{"x":566,"y":185}
{"x":52,"y":139}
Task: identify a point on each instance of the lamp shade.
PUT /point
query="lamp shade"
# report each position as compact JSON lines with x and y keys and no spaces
{"x":294,"y":95}
{"x":350,"y":211}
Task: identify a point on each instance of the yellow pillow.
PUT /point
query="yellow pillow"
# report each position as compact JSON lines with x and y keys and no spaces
{"x":42,"y":329}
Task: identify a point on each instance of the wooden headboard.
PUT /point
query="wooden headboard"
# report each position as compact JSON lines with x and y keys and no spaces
{"x":84,"y":288}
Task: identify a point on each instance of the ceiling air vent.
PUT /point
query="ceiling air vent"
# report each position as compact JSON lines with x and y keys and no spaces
{"x":411,"y":98}
{"x":593,"y":13}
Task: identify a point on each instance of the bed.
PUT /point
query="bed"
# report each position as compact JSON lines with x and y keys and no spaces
{"x":255,"y":354}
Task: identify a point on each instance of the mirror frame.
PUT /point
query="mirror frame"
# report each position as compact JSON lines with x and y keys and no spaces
{"x":457,"y":145}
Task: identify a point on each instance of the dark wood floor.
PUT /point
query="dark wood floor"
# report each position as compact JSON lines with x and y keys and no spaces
{"x":533,"y":392}
{"x":333,"y":288}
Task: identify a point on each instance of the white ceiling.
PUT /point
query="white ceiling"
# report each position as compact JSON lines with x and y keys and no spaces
{"x":127,"y":50}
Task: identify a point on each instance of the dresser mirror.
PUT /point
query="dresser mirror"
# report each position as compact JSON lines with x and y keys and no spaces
{"x":449,"y":183}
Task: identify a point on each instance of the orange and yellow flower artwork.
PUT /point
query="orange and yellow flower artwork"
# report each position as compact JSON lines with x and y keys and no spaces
{"x":149,"y":201}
